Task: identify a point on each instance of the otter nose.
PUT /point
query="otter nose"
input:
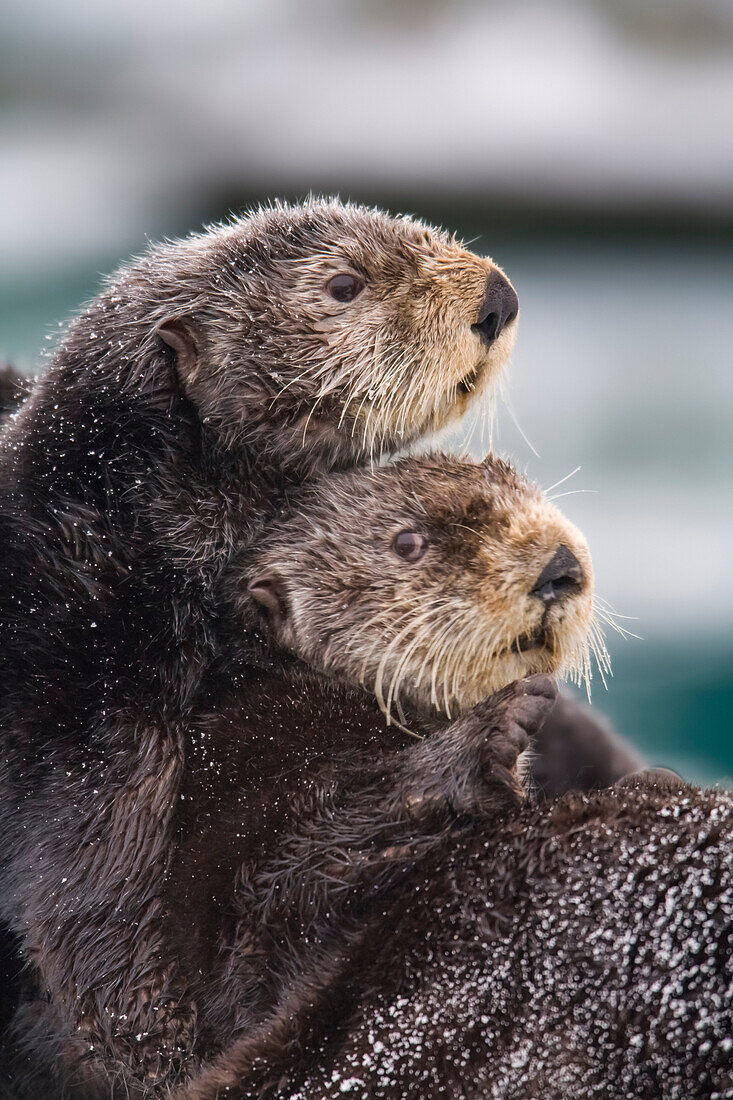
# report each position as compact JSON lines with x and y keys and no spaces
{"x":498,"y":309}
{"x":562,"y":577}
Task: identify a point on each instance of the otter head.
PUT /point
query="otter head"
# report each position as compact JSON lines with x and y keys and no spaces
{"x":332,"y":331}
{"x":432,"y":582}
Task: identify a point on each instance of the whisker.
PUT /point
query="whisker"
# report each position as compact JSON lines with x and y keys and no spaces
{"x":517,"y":425}
{"x":562,"y":480}
{"x":570,"y":493}
{"x":609,"y":617}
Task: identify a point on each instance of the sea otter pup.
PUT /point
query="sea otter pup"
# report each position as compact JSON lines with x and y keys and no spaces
{"x":567,"y":966}
{"x":295,"y":761}
{"x":428,"y":583}
{"x":210,"y":376}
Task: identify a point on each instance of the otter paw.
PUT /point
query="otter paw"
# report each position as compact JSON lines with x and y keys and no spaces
{"x":511,"y":717}
{"x":507,"y":722}
{"x":470,"y":769}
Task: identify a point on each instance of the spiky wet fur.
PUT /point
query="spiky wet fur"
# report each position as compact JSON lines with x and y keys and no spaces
{"x":583,"y":949}
{"x":127,"y":478}
{"x":330,"y":820}
{"x":114,"y":869}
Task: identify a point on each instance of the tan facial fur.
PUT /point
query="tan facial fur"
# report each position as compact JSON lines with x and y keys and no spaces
{"x":404,"y":352}
{"x":262,"y":345}
{"x":440,"y":633}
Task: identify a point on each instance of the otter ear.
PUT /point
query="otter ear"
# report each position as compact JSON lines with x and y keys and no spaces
{"x":179,"y":335}
{"x":268,"y":590}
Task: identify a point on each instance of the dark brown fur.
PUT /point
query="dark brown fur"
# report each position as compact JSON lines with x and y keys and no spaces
{"x":208,"y":379}
{"x":185,"y":818}
{"x":288,"y":841}
{"x":583,"y":948}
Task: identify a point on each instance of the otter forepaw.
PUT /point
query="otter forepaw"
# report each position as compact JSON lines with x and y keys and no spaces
{"x":509,"y":722}
{"x":470,"y":769}
{"x":513,"y":716}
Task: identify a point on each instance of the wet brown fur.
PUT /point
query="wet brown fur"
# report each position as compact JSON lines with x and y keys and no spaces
{"x":583,"y":949}
{"x":303,"y":812}
{"x":288,"y":767}
{"x":209,"y":378}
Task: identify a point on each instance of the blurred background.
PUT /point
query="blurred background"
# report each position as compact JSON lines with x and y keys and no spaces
{"x":586,"y":146}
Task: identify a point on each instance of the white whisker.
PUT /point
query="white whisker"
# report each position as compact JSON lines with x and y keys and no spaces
{"x":517,"y":425}
{"x":562,"y":480}
{"x":570,"y":493}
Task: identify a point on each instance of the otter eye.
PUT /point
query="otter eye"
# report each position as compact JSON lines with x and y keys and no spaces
{"x":344,"y":288}
{"x":409,"y":545}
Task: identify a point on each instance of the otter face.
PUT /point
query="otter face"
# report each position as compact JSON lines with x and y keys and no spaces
{"x":433,"y":583}
{"x":340,"y":331}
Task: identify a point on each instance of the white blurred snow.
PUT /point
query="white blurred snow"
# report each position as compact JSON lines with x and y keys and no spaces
{"x":117,"y":112}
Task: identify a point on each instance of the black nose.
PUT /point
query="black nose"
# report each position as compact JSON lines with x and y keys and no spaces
{"x":562,"y":577}
{"x":498,"y":309}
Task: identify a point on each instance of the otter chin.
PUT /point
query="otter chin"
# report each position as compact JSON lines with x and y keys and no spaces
{"x":431,"y":582}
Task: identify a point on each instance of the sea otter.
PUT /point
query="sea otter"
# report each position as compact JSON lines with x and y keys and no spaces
{"x":390,"y":934}
{"x":211,"y":376}
{"x":292,"y":759}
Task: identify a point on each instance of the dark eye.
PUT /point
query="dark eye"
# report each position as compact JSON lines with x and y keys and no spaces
{"x":344,"y":288}
{"x":409,"y":545}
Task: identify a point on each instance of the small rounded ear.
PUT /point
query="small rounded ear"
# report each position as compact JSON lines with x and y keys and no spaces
{"x":179,"y":335}
{"x":268,"y":590}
